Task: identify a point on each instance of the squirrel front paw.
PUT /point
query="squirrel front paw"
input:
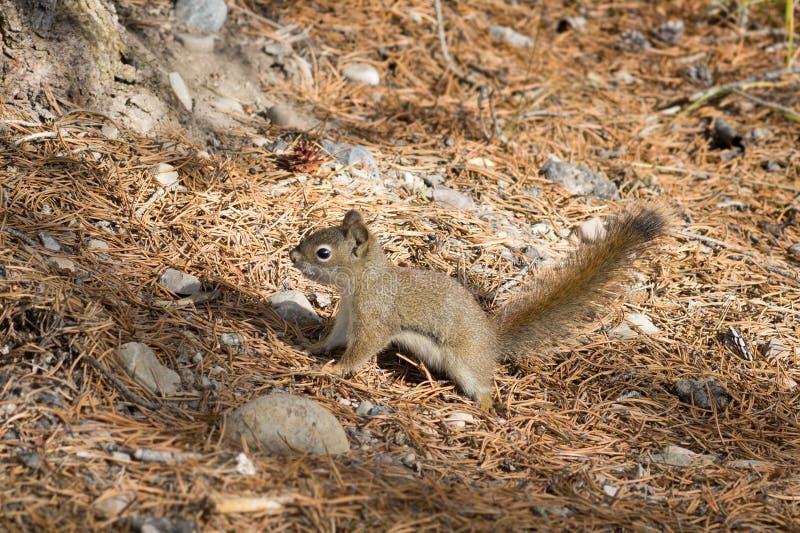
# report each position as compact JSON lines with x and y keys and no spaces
{"x":337,"y":369}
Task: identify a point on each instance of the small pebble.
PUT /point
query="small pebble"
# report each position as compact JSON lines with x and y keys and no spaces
{"x":180,"y":90}
{"x":364,"y":408}
{"x":321,"y":299}
{"x":642,"y":323}
{"x":231,"y":340}
{"x":285,"y":116}
{"x":591,"y":230}
{"x":362,"y":73}
{"x":570,"y":23}
{"x":63,"y":264}
{"x":680,"y":456}
{"x":514,"y":38}
{"x":293,"y":306}
{"x":49,"y":242}
{"x":794,"y":251}
{"x":165,"y":174}
{"x":452,"y":199}
{"x":671,"y":31}
{"x":179,"y":282}
{"x":696,"y":392}
{"x":203,"y":15}
{"x":228,"y":105}
{"x":633,"y":41}
{"x":459,"y":420}
{"x":96,"y":244}
{"x":245,"y":466}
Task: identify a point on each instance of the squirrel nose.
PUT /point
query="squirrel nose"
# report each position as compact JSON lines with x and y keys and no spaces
{"x":294,"y":255}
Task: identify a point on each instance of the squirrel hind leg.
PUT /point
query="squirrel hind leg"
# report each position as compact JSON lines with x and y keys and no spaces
{"x":476,"y":383}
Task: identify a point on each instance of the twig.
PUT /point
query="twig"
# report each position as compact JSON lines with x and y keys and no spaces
{"x":698,"y":98}
{"x":126,"y":392}
{"x":738,"y":249}
{"x":791,"y":114}
{"x":161,"y":191}
{"x":34,"y":136}
{"x":771,"y":32}
{"x":21,"y":236}
{"x":442,"y":40}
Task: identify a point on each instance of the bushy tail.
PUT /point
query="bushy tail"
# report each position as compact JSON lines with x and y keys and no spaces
{"x":563,"y":300}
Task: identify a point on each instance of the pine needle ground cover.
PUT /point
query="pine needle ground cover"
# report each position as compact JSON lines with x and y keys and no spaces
{"x":593,"y":437}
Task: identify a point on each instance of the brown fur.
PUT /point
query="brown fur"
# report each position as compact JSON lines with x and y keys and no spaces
{"x":436,"y":318}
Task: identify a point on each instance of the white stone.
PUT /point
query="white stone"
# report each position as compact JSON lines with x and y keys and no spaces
{"x":165,"y":174}
{"x":512,"y":37}
{"x":452,"y":199}
{"x":96,"y":244}
{"x":179,"y":282}
{"x":362,"y":73}
{"x":203,"y":15}
{"x":591,"y":230}
{"x":285,"y":424}
{"x":459,"y":420}
{"x":180,"y":90}
{"x":624,"y":332}
{"x":115,"y":504}
{"x":293,"y":306}
{"x":141,"y":363}
{"x":228,"y":105}
{"x":642,"y":322}
{"x":245,"y":466}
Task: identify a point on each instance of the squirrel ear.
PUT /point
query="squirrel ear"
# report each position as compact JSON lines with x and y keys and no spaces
{"x":351,"y":218}
{"x":360,"y":234}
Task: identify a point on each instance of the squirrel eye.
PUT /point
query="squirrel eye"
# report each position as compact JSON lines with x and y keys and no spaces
{"x":324,"y":253}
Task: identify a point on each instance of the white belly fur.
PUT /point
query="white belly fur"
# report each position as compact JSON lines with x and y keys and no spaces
{"x":422,"y":347}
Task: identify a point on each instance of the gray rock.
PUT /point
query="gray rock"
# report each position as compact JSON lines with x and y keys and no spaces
{"x":362,"y":73}
{"x":284,"y":424}
{"x":352,"y":155}
{"x":180,"y":90}
{"x":680,"y":456}
{"x":63,"y":264}
{"x":49,"y":242}
{"x":293,"y":306}
{"x":794,"y":251}
{"x":179,"y":282}
{"x":114,"y":505}
{"x":285,"y":116}
{"x":633,"y":41}
{"x":231,"y":341}
{"x":141,"y":363}
{"x":203,"y":15}
{"x":452,"y":199}
{"x":578,"y":180}
{"x":671,"y":31}
{"x":432,"y":180}
{"x":700,"y":73}
{"x":96,"y":244}
{"x":703,"y":393}
{"x":322,"y":300}
{"x":514,"y":38}
{"x":197,"y":43}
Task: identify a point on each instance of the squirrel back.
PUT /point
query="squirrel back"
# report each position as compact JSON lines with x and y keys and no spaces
{"x":566,"y":297}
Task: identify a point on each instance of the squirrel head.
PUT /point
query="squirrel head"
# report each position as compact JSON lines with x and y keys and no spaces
{"x":334,"y":255}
